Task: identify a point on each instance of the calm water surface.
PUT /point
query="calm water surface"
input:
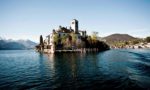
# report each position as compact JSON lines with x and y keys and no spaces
{"x":115,"y":69}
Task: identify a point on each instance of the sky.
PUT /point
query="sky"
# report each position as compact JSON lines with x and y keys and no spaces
{"x":28,"y":19}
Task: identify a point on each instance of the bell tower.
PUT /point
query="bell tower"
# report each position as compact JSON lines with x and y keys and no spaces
{"x":74,"y":25}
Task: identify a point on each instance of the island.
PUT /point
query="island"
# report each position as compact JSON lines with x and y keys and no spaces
{"x":71,"y":39}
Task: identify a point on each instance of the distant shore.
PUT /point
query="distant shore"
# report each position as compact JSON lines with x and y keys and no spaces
{"x":135,"y":46}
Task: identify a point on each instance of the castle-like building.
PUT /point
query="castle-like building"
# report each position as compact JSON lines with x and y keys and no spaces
{"x":49,"y":45}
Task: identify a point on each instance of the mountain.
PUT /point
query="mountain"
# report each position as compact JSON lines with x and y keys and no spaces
{"x":119,"y":37}
{"x":16,"y":44}
{"x":1,"y":38}
{"x":27,"y":43}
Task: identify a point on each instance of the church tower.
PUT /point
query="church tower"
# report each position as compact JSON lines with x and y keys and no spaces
{"x":74,"y":25}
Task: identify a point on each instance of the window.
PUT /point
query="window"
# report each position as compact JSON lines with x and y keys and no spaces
{"x":72,"y":22}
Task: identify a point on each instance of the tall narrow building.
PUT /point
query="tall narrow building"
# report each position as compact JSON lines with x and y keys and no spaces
{"x":74,"y":25}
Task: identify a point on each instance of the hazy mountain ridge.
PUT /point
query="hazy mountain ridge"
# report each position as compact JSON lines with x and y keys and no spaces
{"x":16,"y":44}
{"x":27,"y":43}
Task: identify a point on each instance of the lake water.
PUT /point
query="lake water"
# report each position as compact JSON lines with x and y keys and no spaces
{"x":115,"y":69}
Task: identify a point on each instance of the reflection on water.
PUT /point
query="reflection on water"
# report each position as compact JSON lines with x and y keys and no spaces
{"x":115,"y":69}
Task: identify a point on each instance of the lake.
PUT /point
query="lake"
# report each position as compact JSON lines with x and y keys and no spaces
{"x":115,"y":69}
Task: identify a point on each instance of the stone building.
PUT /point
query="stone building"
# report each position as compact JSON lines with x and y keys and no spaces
{"x":49,"y":45}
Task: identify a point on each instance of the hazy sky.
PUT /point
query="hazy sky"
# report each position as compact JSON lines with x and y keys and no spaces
{"x":27,"y":19}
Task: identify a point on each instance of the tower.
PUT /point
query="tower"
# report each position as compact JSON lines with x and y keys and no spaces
{"x":74,"y":25}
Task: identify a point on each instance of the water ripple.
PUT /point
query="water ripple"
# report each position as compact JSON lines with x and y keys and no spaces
{"x":112,"y":69}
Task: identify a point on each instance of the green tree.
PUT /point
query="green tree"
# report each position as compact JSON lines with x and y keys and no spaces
{"x":63,"y":40}
{"x":94,"y":36}
{"x":82,"y":44}
{"x":135,"y":41}
{"x":74,"y":38}
{"x":126,"y":43}
{"x":56,"y":38}
{"x":147,"y":39}
{"x":89,"y":41}
{"x":41,"y":40}
{"x":68,"y":42}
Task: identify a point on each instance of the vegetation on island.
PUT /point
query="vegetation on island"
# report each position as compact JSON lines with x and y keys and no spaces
{"x":73,"y":41}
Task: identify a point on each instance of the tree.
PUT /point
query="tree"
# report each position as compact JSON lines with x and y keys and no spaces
{"x":68,"y":42}
{"x":41,"y":40}
{"x":56,"y":38}
{"x":63,"y":40}
{"x":89,"y":42}
{"x":82,"y":44}
{"x":126,"y":43}
{"x":94,"y":36}
{"x":147,"y":39}
{"x":135,"y":41}
{"x":74,"y":38}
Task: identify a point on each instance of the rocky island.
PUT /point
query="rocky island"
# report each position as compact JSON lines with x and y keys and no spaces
{"x":71,"y":39}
